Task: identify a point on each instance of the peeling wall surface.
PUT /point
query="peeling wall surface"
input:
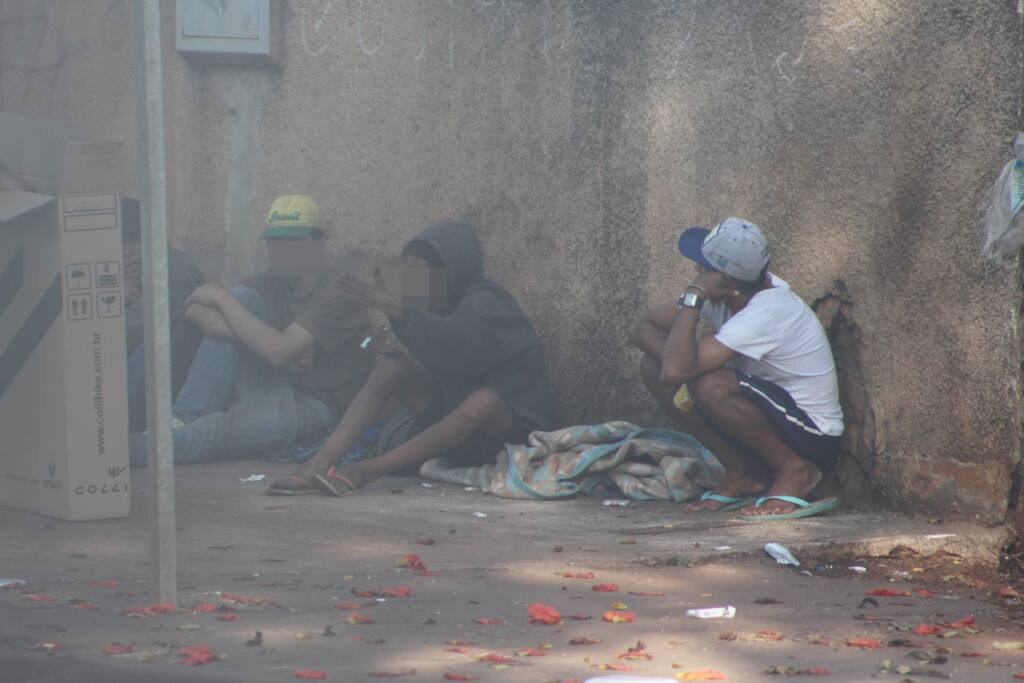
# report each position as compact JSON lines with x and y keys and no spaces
{"x":582,"y":136}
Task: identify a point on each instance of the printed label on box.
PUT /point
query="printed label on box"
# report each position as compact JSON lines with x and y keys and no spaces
{"x":79,"y":306}
{"x":88,"y":203}
{"x":76,"y":276}
{"x":108,"y":304}
{"x":80,"y":222}
{"x":108,"y":274}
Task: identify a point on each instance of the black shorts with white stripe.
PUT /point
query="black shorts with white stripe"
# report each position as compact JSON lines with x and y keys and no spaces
{"x":790,"y":422}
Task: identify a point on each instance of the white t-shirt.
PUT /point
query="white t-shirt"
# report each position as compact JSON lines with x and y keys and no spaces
{"x":780,"y":339}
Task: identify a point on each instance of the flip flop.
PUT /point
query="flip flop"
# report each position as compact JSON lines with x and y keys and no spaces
{"x":326,"y":483}
{"x":804,"y":509}
{"x":730,"y":502}
{"x":305,"y":487}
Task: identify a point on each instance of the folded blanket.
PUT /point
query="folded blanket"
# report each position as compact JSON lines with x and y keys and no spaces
{"x":642,"y":464}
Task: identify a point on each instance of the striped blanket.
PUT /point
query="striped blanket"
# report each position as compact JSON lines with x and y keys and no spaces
{"x":641,"y":464}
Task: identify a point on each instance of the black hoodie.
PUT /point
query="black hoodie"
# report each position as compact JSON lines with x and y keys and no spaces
{"x":484,"y":340}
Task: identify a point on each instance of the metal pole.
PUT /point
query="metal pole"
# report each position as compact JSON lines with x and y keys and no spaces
{"x":149,"y":122}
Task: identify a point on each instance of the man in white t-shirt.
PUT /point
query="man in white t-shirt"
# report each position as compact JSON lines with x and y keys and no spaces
{"x":762,"y":390}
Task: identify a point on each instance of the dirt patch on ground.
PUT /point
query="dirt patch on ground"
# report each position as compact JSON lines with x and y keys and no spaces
{"x":1002,"y":585}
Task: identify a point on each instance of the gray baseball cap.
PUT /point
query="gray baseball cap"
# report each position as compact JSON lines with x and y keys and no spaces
{"x":735,"y":247}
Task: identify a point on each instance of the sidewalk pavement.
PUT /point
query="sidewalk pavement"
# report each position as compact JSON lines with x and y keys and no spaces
{"x":486,"y":558}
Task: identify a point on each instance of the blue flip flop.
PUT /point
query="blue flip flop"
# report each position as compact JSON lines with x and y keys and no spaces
{"x":804,"y":509}
{"x":730,"y":502}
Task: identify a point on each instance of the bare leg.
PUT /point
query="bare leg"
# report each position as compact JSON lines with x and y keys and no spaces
{"x":744,"y":473}
{"x":718,"y":396}
{"x":397,"y":376}
{"x":483,"y":412}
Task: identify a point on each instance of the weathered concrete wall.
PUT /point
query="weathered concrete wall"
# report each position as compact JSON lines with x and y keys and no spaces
{"x":582,"y":136}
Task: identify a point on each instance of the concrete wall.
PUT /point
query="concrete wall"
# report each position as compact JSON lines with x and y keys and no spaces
{"x":581,"y":136}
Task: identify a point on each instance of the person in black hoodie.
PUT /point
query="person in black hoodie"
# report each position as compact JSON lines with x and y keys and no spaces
{"x":469,"y":367}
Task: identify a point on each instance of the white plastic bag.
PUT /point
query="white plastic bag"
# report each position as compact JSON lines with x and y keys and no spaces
{"x":1004,"y":219}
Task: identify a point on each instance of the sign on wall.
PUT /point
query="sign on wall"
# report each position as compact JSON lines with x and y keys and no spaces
{"x":229,"y":29}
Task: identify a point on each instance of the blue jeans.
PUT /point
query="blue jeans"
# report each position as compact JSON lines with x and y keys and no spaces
{"x":237,"y":405}
{"x":182,"y":350}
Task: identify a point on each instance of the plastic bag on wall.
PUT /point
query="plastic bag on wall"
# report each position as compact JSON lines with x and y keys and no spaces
{"x":1004,"y":219}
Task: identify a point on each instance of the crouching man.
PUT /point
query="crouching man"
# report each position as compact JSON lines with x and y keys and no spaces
{"x":281,"y":355}
{"x":761,"y":392}
{"x":467,"y":365}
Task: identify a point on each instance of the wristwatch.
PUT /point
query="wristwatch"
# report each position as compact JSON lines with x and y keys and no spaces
{"x":690,"y":300}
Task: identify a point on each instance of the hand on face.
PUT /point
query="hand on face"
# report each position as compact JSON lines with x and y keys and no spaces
{"x":718,"y":286}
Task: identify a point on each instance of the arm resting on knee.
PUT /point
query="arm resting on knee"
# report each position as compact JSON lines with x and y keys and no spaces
{"x":209,"y":320}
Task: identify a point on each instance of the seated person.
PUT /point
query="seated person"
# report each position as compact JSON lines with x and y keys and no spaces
{"x":183,"y":277}
{"x":281,"y":356}
{"x":468,"y":366}
{"x":764,"y":394}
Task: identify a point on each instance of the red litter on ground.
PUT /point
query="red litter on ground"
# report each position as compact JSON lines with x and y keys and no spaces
{"x":544,"y":614}
{"x":118,"y":649}
{"x":358,"y":618}
{"x":347,"y":605}
{"x":196,"y":655}
{"x":150,"y":610}
{"x":927,"y":630}
{"x":864,"y":643}
{"x":413,"y":562}
{"x":616,"y":617}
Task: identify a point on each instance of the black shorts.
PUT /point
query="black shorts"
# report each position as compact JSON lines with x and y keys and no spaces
{"x":790,"y":422}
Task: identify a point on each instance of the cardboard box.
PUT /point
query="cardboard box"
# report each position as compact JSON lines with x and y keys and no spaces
{"x":63,"y":398}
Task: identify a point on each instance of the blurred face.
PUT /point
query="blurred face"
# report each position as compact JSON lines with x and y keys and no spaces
{"x":423,"y":286}
{"x":295,"y":256}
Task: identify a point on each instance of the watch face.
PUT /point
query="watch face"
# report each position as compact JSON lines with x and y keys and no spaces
{"x":689,"y":300}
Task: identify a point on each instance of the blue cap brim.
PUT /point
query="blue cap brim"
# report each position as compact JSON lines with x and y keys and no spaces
{"x":690,"y":243}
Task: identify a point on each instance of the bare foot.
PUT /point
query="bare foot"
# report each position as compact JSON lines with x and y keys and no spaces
{"x":312,"y":467}
{"x":735,"y":486}
{"x":796,"y":482}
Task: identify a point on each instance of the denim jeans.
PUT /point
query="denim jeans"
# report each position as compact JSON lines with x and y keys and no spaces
{"x":236,"y":405}
{"x":182,"y":350}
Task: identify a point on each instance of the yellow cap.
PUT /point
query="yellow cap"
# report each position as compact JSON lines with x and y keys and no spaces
{"x":293,"y":215}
